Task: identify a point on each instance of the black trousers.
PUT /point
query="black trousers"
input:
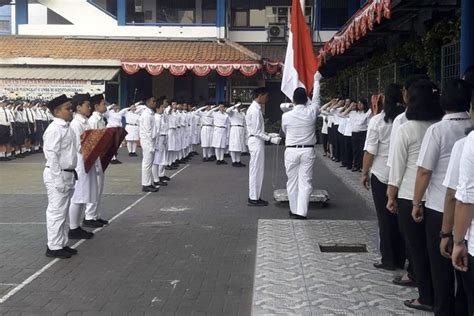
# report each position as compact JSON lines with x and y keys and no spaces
{"x":468,"y":284}
{"x":392,"y":245}
{"x":415,"y":238}
{"x":447,"y":300}
{"x":347,"y":155}
{"x":325,"y":139}
{"x":340,"y":145}
{"x":358,"y":142}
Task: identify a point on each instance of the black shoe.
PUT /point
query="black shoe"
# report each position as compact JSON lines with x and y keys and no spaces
{"x":118,"y":162}
{"x":149,"y":188}
{"x":218,"y":162}
{"x":258,"y":202}
{"x":212,"y":158}
{"x":241,"y":164}
{"x":174,"y":165}
{"x":114,"y":162}
{"x":205,"y":159}
{"x":130,"y":154}
{"x":20,"y":156}
{"x":91,"y":223}
{"x":165,"y":178}
{"x":380,"y":265}
{"x":60,"y":253}
{"x":226,"y":155}
{"x":343,"y":166}
{"x":223,"y":162}
{"x":80,"y":233}
{"x":71,"y":251}
{"x":420,"y":307}
{"x":296,"y":216}
{"x":4,"y":159}
{"x":355,"y":170}
{"x":235,"y":164}
{"x":398,"y":281}
{"x":102,"y":221}
{"x":134,"y":155}
{"x":195,"y":153}
{"x":160,"y":183}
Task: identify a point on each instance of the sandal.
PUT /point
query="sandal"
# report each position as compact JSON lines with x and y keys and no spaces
{"x":399,"y":281}
{"x":419,"y":306}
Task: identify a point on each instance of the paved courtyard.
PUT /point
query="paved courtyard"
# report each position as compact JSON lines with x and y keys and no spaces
{"x":194,"y":248}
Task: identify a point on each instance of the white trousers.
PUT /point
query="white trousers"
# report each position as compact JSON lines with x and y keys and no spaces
{"x":299,"y":170}
{"x":256,"y":167}
{"x":158,"y":171}
{"x":57,"y":211}
{"x":147,"y":164}
{"x":75,"y":215}
{"x":92,"y":209}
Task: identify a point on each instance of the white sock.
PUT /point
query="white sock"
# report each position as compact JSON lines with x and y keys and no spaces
{"x":161,"y":171}
{"x":233,"y":156}
{"x":134,"y":147}
{"x":129,"y":147}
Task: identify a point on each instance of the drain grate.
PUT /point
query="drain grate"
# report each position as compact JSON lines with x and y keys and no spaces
{"x":343,"y":248}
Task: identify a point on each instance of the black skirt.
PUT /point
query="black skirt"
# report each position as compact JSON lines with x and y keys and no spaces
{"x":4,"y":134}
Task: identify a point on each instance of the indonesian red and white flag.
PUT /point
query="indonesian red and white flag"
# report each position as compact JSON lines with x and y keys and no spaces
{"x":301,"y":64}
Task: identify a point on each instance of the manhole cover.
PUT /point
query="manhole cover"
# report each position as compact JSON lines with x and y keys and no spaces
{"x":343,"y":248}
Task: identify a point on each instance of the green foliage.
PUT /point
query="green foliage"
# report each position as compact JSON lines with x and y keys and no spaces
{"x":425,"y":51}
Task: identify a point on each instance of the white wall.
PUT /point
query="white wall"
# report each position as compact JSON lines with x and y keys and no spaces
{"x":37,"y":14}
{"x":120,"y":31}
{"x":261,"y":36}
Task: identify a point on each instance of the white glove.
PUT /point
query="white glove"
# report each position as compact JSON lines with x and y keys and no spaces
{"x":275,"y":140}
{"x":318,"y":76}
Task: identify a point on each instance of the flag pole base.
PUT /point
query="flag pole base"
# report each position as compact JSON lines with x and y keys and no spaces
{"x":317,"y":196}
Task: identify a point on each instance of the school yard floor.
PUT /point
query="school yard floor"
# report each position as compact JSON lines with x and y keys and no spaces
{"x":196,"y":248}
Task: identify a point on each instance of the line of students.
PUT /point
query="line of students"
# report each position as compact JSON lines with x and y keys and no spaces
{"x":22,"y":125}
{"x":407,"y":164}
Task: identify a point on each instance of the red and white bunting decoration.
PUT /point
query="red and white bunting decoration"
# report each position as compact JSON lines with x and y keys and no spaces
{"x":357,"y":27}
{"x":154,"y":70}
{"x":201,"y":69}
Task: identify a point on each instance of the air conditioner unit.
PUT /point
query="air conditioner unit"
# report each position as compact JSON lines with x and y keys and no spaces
{"x":276,"y":31}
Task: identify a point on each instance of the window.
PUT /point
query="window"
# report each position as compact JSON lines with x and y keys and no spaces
{"x":110,"y":6}
{"x":209,"y":11}
{"x":334,"y":13}
{"x":5,"y":20}
{"x":171,"y":11}
{"x":259,"y":13}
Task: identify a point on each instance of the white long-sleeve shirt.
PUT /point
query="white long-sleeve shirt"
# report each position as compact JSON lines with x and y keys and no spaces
{"x":96,"y":121}
{"x":397,"y":122}
{"x":78,"y":125}
{"x":147,"y":129}
{"x":377,"y":144}
{"x":299,"y":124}
{"x":114,"y":119}
{"x":255,"y":123}
{"x":435,"y":152}
{"x":406,"y":150}
{"x":60,"y":150}
{"x":221,"y":120}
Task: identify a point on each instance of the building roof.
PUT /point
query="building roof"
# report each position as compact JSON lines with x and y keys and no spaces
{"x":123,"y":50}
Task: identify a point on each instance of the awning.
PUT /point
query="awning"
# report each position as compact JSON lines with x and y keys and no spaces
{"x":55,"y":73}
{"x":178,"y":57}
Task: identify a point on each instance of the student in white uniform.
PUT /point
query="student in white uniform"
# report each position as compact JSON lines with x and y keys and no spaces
{"x":86,"y":188}
{"x":432,"y":166}
{"x":114,"y":116}
{"x":463,"y":240}
{"x":375,"y":176}
{"x":256,"y":142}
{"x":5,"y":131}
{"x":132,"y":138}
{"x":92,"y":218}
{"x":60,"y":151}
{"x":237,"y":134}
{"x":219,"y":136}
{"x":173,"y":134}
{"x":359,"y":121}
{"x":148,"y":143}
{"x":207,"y":126}
{"x":299,"y":125}
{"x":161,"y":151}
{"x":423,"y":110}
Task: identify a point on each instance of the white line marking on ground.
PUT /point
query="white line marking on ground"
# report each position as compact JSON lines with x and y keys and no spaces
{"x":32,"y":277}
{"x":8,"y":284}
{"x":174,"y":209}
{"x":26,"y":223}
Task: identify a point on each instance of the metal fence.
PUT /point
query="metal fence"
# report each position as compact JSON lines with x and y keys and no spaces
{"x":364,"y":85}
{"x":450,"y":62}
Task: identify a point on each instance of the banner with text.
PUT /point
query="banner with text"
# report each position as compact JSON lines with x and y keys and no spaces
{"x":47,"y":89}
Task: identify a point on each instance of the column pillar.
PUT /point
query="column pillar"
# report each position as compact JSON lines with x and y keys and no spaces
{"x":467,"y":34}
{"x":123,"y":89}
{"x":21,"y":13}
{"x":220,"y":88}
{"x":121,"y":12}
